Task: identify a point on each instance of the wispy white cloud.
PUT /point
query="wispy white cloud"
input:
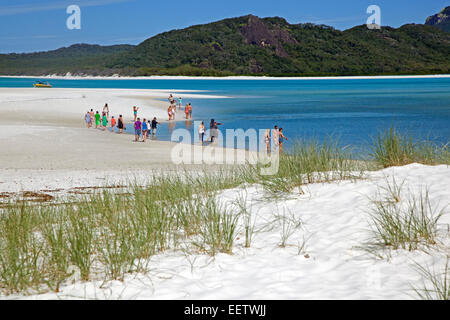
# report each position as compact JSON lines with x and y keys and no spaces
{"x":40,"y":6}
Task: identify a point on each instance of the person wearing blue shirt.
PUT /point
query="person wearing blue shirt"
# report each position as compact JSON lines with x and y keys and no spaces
{"x":144,"y":130}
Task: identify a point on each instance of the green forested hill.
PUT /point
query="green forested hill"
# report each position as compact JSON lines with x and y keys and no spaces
{"x":78,"y":58}
{"x":252,"y":46}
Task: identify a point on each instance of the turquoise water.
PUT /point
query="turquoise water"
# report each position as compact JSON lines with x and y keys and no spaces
{"x":354,"y":110}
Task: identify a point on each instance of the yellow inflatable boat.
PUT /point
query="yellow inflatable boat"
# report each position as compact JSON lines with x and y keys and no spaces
{"x":40,"y":84}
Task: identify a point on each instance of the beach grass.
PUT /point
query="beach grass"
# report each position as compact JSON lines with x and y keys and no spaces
{"x":392,"y":148}
{"x":110,"y":234}
{"x":312,"y":161}
{"x":404,"y":224}
{"x":249,"y":221}
{"x":436,"y":284}
{"x":289,"y":224}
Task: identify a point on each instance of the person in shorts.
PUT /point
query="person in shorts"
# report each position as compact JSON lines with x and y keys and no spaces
{"x":281,"y":138}
{"x":137,"y":129}
{"x":190,"y":111}
{"x":144,"y":130}
{"x":201,"y":133}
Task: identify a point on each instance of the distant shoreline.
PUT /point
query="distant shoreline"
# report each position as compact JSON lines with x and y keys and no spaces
{"x":70,"y":77}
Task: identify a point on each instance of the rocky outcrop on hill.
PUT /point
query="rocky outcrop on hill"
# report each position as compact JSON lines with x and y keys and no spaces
{"x":440,"y":20}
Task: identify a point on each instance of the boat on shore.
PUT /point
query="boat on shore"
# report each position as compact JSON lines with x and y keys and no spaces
{"x":40,"y":84}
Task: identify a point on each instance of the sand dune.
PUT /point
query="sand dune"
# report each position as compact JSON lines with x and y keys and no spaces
{"x":331,"y":266}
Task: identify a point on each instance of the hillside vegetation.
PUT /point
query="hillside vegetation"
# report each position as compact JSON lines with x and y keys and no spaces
{"x":77,"y":59}
{"x":253,"y":46}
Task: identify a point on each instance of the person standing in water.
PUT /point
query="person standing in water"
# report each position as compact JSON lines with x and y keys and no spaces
{"x":154,"y":126}
{"x":190,"y":111}
{"x":120,"y":124}
{"x":201,"y":133}
{"x":174,"y":111}
{"x":214,"y":130}
{"x":135,"y":112}
{"x":180,"y":103}
{"x":267,"y":140}
{"x":169,"y":112}
{"x":281,"y":139}
{"x":211,"y":130}
{"x":137,"y":129}
{"x":186,"y":110}
{"x":149,"y":127}
{"x":275,"y":139}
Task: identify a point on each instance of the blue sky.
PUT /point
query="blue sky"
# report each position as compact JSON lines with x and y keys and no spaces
{"x":30,"y":25}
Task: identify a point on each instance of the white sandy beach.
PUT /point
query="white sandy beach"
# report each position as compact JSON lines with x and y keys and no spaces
{"x":46,"y":144}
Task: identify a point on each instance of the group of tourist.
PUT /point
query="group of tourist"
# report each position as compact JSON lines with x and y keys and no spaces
{"x":277,"y":140}
{"x":213,"y":131}
{"x":100,"y":121}
{"x":143,"y":128}
{"x":172,"y":109}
